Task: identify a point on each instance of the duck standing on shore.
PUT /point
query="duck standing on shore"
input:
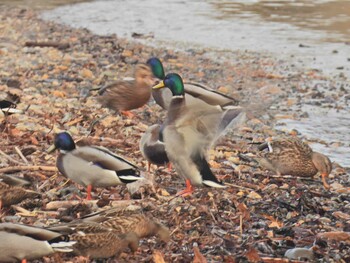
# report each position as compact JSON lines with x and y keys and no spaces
{"x":125,"y":95}
{"x":92,"y":166}
{"x":193,"y":91}
{"x":291,"y":156}
{"x":189,"y":130}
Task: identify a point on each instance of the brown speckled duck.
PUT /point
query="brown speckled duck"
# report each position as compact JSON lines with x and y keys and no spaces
{"x":125,"y":95}
{"x":96,"y":241}
{"x":21,"y":242}
{"x":291,"y":156}
{"x":130,"y":221}
{"x":11,"y":195}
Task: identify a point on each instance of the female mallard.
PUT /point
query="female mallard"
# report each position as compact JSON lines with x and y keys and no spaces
{"x":96,"y":241}
{"x":126,"y":95}
{"x":152,"y":147}
{"x":10,"y":195}
{"x":193,"y":91}
{"x":291,"y":156}
{"x":124,"y":221}
{"x":20,"y":242}
{"x":92,"y":165}
{"x":189,"y":130}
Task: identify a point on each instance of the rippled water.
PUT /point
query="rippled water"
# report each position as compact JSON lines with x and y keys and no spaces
{"x":330,"y":125}
{"x":321,"y":27}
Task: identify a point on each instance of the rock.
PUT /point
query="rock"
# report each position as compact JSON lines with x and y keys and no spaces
{"x":300,"y":253}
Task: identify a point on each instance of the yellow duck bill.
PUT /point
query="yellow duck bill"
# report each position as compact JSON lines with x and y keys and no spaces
{"x":159,"y":85}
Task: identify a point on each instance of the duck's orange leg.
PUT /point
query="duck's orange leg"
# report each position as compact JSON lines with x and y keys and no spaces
{"x":88,"y":190}
{"x":148,"y":166}
{"x":128,"y":114}
{"x":24,"y":261}
{"x":188,"y":191}
{"x":169,"y":167}
{"x":324,"y":181}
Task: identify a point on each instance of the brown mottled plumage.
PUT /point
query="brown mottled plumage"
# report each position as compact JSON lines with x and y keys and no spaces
{"x":130,"y":221}
{"x":95,"y":240}
{"x":291,"y":156}
{"x":103,"y":244}
{"x":10,"y":195}
{"x":129,"y":94}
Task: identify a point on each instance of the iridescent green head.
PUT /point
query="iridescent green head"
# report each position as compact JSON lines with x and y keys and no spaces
{"x":157,"y":67}
{"x":63,"y":141}
{"x":174,"y":82}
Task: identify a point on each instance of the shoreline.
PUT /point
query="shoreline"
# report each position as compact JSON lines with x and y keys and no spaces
{"x":55,"y":83}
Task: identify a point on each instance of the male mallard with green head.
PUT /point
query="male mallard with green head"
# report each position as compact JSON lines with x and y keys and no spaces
{"x":92,"y":166}
{"x":193,"y":91}
{"x":189,"y":130}
{"x":125,"y":95}
{"x":291,"y":156}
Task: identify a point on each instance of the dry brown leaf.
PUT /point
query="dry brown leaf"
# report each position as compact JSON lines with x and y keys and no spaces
{"x":59,"y":94}
{"x":335,"y":236}
{"x":158,"y":257}
{"x":274,"y":221}
{"x":75,"y":121}
{"x":252,"y":255}
{"x":198,"y":257}
{"x":244,"y":210}
{"x":34,"y":140}
{"x":341,"y":215}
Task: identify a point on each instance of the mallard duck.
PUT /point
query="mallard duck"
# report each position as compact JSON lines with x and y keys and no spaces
{"x":21,"y":242}
{"x":96,"y":241}
{"x":123,"y":221}
{"x":104,"y":244}
{"x":193,"y":91}
{"x":126,"y":95}
{"x":152,"y":147}
{"x":10,"y":195}
{"x":291,"y":156}
{"x":189,"y":130}
{"x":92,"y":165}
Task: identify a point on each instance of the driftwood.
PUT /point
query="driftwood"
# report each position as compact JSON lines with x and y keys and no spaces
{"x":57,"y":45}
{"x":28,"y":168}
{"x":67,"y":204}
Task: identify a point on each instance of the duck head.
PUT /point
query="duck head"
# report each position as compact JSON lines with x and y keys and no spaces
{"x":157,"y":67}
{"x":174,"y":82}
{"x":143,"y":74}
{"x":64,"y":142}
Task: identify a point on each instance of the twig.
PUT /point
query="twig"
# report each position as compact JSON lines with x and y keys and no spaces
{"x":18,"y":150}
{"x":9,"y":158}
{"x":240,"y":187}
{"x":47,"y":44}
{"x":192,"y":221}
{"x":241,"y":224}
{"x":30,"y":168}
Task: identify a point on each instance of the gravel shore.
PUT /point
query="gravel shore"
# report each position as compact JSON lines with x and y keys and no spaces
{"x":255,"y":220}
